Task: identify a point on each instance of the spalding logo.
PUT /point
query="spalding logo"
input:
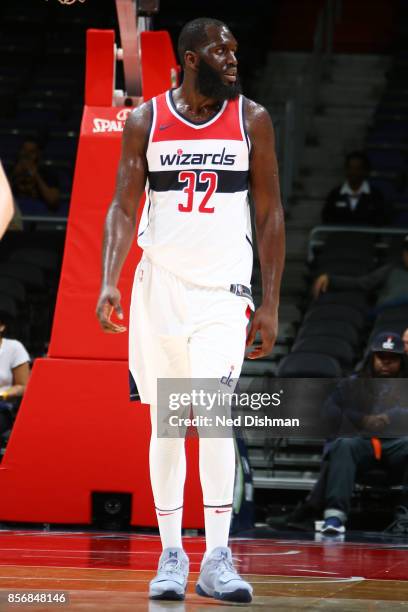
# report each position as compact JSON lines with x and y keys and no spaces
{"x":123,"y":114}
{"x":109,"y":125}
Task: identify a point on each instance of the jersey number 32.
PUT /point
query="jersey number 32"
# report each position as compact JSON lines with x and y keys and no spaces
{"x":205,"y":177}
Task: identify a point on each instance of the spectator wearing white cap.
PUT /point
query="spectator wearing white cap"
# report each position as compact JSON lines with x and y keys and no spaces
{"x":372,"y":408}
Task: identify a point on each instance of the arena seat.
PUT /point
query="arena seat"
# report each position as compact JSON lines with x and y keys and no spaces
{"x":332,"y":328}
{"x":383,"y":158}
{"x":258,"y":367}
{"x":286,"y":332}
{"x":336,"y":312}
{"x":13,"y":288}
{"x":8,"y":306}
{"x":392,"y":314}
{"x":387,"y":183}
{"x":309,"y":365}
{"x":29,"y":274}
{"x":289,"y":312}
{"x":356,"y":299}
{"x":343,"y":252}
{"x":349,"y":241}
{"x":337,"y":265}
{"x":61,"y":145}
{"x":47,"y":260}
{"x":390,"y":132}
{"x":327,"y":345}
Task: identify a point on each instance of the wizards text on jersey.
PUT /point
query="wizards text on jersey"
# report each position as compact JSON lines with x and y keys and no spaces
{"x":191,"y":159}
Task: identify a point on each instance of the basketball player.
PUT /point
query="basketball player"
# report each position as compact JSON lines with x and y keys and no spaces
{"x":197,"y":149}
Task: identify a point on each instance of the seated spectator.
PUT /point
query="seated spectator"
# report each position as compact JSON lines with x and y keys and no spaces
{"x":32,"y":181}
{"x":355,"y":202}
{"x":371,"y":411}
{"x":14,"y":375}
{"x":390,"y":280}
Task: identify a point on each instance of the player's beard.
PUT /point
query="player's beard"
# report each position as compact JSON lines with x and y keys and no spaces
{"x":210,"y":84}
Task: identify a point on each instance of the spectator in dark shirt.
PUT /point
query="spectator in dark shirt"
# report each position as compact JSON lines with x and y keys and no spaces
{"x":391,"y":282}
{"x":355,"y":202}
{"x":31,"y":180}
{"x":372,"y":408}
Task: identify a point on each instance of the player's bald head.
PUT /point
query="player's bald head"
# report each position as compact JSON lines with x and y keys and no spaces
{"x":195,"y":34}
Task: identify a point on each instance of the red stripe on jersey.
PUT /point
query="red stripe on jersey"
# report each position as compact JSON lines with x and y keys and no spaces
{"x":169,"y":127}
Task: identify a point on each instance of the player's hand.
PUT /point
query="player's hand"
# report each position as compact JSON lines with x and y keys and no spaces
{"x":320,"y":285}
{"x":109,"y":301}
{"x":266,"y":322}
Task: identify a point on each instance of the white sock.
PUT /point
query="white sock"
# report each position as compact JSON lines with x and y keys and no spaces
{"x":167,"y":459}
{"x":170,"y":527}
{"x":217,"y":472}
{"x":217,"y":526}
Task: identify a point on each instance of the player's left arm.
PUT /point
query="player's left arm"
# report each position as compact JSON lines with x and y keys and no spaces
{"x":269,"y":224}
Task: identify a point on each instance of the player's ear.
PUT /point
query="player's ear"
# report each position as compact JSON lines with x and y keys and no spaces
{"x":191,"y":60}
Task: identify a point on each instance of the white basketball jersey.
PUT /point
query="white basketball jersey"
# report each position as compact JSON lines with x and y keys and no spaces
{"x":196,"y":219}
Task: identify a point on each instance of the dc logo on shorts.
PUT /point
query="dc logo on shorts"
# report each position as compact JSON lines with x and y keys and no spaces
{"x":228,"y":380}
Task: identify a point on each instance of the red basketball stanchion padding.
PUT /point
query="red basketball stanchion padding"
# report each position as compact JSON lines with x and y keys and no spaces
{"x":152,"y":69}
{"x":76,"y":431}
{"x":100,"y":63}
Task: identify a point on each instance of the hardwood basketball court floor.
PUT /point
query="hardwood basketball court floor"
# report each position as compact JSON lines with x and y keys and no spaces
{"x":107,"y":571}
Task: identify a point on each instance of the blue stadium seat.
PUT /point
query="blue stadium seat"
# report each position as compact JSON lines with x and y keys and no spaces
{"x":386,"y":159}
{"x":336,"y":312}
{"x":8,"y":306}
{"x":357,"y":299}
{"x":309,"y":365}
{"x":338,"y":328}
{"x":10,"y":143}
{"x":32,"y":206}
{"x":327,"y":345}
{"x":387,"y":185}
{"x":13,"y":288}
{"x":62,"y":145}
{"x":41,"y":114}
{"x":389,"y":132}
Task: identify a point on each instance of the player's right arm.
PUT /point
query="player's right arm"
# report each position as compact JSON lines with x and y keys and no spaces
{"x":120,"y":223}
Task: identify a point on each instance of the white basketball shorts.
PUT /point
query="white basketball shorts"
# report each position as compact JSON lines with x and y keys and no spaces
{"x":181,"y":330}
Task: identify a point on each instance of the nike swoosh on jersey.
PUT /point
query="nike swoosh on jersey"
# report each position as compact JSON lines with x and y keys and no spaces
{"x":222,"y":511}
{"x":165,"y":126}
